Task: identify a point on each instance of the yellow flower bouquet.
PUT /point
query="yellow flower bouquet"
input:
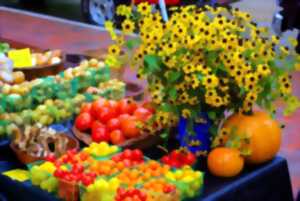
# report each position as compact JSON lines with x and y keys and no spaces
{"x":206,"y":60}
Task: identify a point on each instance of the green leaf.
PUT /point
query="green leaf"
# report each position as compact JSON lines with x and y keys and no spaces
{"x":173,"y":93}
{"x":212,"y":115}
{"x":132,"y":43}
{"x":164,"y":135}
{"x":152,"y":63}
{"x":211,"y":57}
{"x":213,"y":130}
{"x":173,"y":76}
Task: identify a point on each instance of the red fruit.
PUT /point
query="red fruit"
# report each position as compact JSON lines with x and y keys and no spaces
{"x":117,"y":137}
{"x":77,"y":168}
{"x":84,"y":121}
{"x":127,"y":154}
{"x":86,"y":107}
{"x":129,"y":128}
{"x":83,"y":156}
{"x":127,"y":163}
{"x":113,"y":104}
{"x":97,"y":105}
{"x":126,"y":106}
{"x":174,"y":155}
{"x":50,"y":157}
{"x":190,"y":158}
{"x":142,"y":114}
{"x":99,"y":132}
{"x":105,"y":114}
{"x":137,"y":155}
{"x":59,"y":173}
{"x":113,"y":124}
{"x":116,"y":158}
{"x":86,"y":180}
{"x":168,"y":188}
{"x":166,"y":159}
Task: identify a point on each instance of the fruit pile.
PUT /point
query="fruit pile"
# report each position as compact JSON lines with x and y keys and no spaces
{"x":179,"y":158}
{"x":187,"y":180}
{"x":126,"y":175}
{"x":112,"y":121}
{"x":52,"y":111}
{"x":130,"y":194}
{"x":100,"y":150}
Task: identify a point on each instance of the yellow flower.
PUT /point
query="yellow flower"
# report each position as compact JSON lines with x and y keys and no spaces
{"x":128,"y":26}
{"x":114,"y":50}
{"x":144,"y":8}
{"x":186,"y":113}
{"x":263,"y":69}
{"x":184,"y":97}
{"x":210,"y":81}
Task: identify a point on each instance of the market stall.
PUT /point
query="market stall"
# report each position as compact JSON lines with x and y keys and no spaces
{"x":193,"y":133}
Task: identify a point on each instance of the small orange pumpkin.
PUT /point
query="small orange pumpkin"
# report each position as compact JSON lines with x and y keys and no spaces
{"x":225,"y":162}
{"x":264,"y":134}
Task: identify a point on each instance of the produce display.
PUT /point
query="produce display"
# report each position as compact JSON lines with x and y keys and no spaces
{"x":55,"y":99}
{"x":126,"y":175}
{"x":112,"y":121}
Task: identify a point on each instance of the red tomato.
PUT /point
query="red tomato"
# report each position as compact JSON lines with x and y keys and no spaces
{"x":97,"y":105}
{"x":190,"y":159}
{"x":113,"y":104}
{"x":113,"y":124}
{"x":123,"y":117}
{"x":86,"y":107}
{"x":137,"y":155}
{"x":126,"y":106}
{"x":127,"y":154}
{"x":117,"y":137}
{"x":99,"y":132}
{"x":105,"y":114}
{"x":129,"y":128}
{"x":142,"y":114}
{"x":84,"y":121}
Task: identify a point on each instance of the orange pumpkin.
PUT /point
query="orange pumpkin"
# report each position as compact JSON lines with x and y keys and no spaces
{"x":264,"y":134}
{"x":225,"y":162}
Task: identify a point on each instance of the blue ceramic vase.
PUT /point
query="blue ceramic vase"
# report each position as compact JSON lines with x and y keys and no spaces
{"x":201,"y":134}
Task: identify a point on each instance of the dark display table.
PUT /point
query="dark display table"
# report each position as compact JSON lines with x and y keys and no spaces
{"x":269,"y":182}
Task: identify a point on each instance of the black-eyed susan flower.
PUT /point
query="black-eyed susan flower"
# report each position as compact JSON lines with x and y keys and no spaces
{"x":186,"y":113}
{"x":144,"y":8}
{"x":114,"y":50}
{"x":128,"y":26}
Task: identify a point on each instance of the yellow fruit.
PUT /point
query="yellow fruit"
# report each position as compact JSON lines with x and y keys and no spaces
{"x":263,"y":131}
{"x":225,"y":162}
{"x":18,"y":77}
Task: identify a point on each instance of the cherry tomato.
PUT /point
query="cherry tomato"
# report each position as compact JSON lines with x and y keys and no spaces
{"x":50,"y":157}
{"x":99,"y":132}
{"x":86,"y":107}
{"x":114,"y":104}
{"x":129,"y":128}
{"x":127,"y":154}
{"x":190,"y":159}
{"x":126,"y":106}
{"x":113,"y":124}
{"x":84,"y":121}
{"x":137,"y":155}
{"x":117,"y":137}
{"x":142,"y":114}
{"x":86,"y":180}
{"x":105,"y":114}
{"x":165,"y":159}
{"x":97,"y":105}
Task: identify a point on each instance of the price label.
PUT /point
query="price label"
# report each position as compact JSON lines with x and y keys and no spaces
{"x":21,"y":58}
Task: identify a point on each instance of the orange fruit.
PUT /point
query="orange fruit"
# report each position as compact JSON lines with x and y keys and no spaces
{"x":263,"y":131}
{"x":225,"y":162}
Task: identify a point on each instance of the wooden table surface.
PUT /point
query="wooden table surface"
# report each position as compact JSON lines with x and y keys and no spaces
{"x":46,"y":32}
